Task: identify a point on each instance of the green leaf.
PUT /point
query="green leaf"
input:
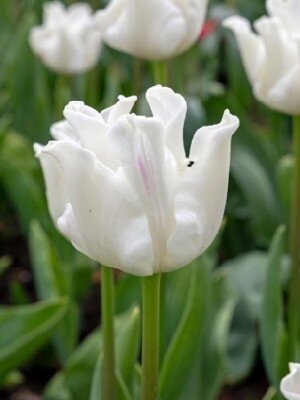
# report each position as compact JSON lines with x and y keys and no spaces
{"x":284,"y":175}
{"x":128,"y":293}
{"x":181,"y":353}
{"x":20,"y":175}
{"x":79,"y":370}
{"x":272,"y":328}
{"x":211,"y":372}
{"x":246,"y":274}
{"x":57,"y":389}
{"x":96,"y":391}
{"x":53,"y":280}
{"x":50,"y":274}
{"x":96,"y":388}
{"x":272,"y":394}
{"x":5,"y":262}
{"x":18,"y":294}
{"x":127,"y":345}
{"x":259,"y":194}
{"x":27,"y":329}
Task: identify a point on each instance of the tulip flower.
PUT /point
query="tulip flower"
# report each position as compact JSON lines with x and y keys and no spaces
{"x":152,"y":30}
{"x":290,"y":384}
{"x":271,"y":54}
{"x":121,"y":188}
{"x":68,"y":41}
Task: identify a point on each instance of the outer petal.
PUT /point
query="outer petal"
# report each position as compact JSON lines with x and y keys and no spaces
{"x":56,"y":192}
{"x":46,"y":44}
{"x":288,"y":11}
{"x":62,"y":130}
{"x":105,"y":211}
{"x":194,"y":12}
{"x":251,"y":46}
{"x":290,"y":384}
{"x":146,"y":29}
{"x":68,"y":226}
{"x":170,"y":108}
{"x":79,"y":11}
{"x":111,"y":14}
{"x":89,"y":127}
{"x":282,"y":54}
{"x":83,"y":42}
{"x":92,"y":127}
{"x":68,"y":41}
{"x":285,"y":94}
{"x":140,"y":143}
{"x":201,"y":193}
{"x":53,"y":13}
{"x":122,"y":107}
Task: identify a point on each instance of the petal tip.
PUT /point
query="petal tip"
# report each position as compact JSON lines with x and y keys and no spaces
{"x":37,"y":147}
{"x":74,"y":105}
{"x":237,"y":24}
{"x":231,"y":119}
{"x":129,"y":99}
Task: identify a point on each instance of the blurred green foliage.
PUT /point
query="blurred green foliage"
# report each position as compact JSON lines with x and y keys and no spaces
{"x":219,"y":313}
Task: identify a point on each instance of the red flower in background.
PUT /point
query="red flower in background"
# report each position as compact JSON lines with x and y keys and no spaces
{"x":208,"y":28}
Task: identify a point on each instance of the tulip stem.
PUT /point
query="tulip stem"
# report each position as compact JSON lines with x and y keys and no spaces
{"x":107,"y":312}
{"x":150,"y":344}
{"x":160,"y":72}
{"x":62,"y":94}
{"x":294,"y":300}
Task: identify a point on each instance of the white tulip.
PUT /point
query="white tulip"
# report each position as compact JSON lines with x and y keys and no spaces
{"x":68,"y":41}
{"x":152,"y":30}
{"x":121,"y":188}
{"x":290,"y":384}
{"x":271,"y":55}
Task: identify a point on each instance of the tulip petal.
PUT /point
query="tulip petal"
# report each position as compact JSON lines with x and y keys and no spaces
{"x":46,"y":44}
{"x":53,"y":11}
{"x":170,"y":108}
{"x":79,"y":11}
{"x":56,"y":193}
{"x":282,"y":54}
{"x":108,"y":16}
{"x":62,"y":130}
{"x":290,"y":384}
{"x":251,"y":47}
{"x":103,"y":224}
{"x":140,"y":143}
{"x":194,"y":12}
{"x":284,"y":95}
{"x":89,"y":126}
{"x":92,"y":127}
{"x":288,"y":11}
{"x":147,"y":29}
{"x":122,"y":107}
{"x":68,"y":226}
{"x":183,"y":244}
{"x":202,"y":191}
{"x":68,"y":40}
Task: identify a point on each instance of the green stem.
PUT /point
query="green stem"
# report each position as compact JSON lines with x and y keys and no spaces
{"x":231,"y":3}
{"x":93,"y":87}
{"x":67,"y":88}
{"x":137,"y":85}
{"x":150,"y":350}
{"x":294,"y":298}
{"x":160,"y":72}
{"x":62,"y":94}
{"x":107,"y":312}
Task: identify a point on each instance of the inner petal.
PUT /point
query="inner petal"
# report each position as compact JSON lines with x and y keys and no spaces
{"x":140,"y":144}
